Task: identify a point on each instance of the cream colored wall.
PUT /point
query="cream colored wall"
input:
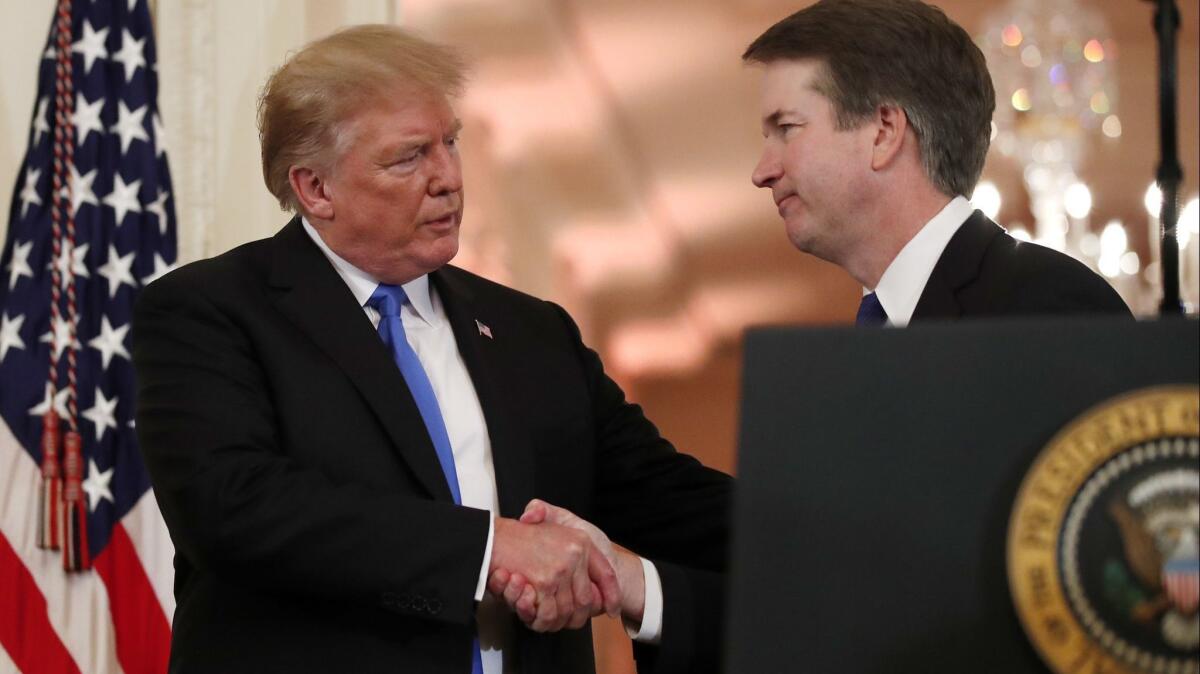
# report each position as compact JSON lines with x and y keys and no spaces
{"x":23,"y":34}
{"x":214,"y":57}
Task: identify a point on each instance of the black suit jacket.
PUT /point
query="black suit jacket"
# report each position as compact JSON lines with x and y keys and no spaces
{"x":985,"y":272}
{"x":313,"y":527}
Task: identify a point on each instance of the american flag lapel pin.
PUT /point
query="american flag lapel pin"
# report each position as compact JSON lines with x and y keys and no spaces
{"x":483,"y":329}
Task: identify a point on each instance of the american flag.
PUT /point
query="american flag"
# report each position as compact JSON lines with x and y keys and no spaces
{"x":85,"y":560}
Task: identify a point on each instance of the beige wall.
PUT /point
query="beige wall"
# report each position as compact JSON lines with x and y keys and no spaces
{"x":23,"y":34}
{"x":214,"y":57}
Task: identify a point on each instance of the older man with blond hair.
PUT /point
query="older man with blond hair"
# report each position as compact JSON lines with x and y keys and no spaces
{"x":372,"y":461}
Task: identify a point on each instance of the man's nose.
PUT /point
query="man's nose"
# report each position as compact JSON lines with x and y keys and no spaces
{"x":446,"y":171}
{"x":768,"y":169}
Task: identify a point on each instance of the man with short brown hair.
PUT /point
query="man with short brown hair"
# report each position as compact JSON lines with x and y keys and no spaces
{"x":876,"y":116}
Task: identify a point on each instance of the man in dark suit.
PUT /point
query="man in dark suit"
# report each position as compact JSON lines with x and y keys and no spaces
{"x":343,"y":430}
{"x":876,"y":116}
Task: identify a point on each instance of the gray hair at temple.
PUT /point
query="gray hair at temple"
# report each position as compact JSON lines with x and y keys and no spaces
{"x":304,"y":104}
{"x":899,"y":52}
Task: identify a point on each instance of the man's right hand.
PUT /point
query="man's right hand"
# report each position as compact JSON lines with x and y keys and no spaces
{"x":568,"y":579}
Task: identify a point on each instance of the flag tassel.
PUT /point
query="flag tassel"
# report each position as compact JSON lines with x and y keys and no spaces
{"x":50,"y":489}
{"x":75,"y":545}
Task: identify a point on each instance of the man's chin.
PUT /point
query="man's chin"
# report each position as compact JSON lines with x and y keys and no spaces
{"x":819,"y":248}
{"x":413,"y":263}
{"x":801,"y":238}
{"x":440,"y":252}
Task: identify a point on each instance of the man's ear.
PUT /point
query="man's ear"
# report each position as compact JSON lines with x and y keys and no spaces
{"x":312,"y":191}
{"x":891,"y":126}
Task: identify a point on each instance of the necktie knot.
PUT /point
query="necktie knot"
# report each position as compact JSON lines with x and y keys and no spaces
{"x":870,"y":311}
{"x":387,"y":300}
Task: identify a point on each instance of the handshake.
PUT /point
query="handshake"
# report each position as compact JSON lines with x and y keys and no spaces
{"x":556,"y":570}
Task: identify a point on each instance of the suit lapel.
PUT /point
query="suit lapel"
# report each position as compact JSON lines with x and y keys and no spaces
{"x":316,"y":299}
{"x":511,"y":458}
{"x":958,"y":265}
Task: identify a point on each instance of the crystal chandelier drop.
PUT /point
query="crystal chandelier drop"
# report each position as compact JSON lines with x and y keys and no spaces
{"x":1051,"y":62}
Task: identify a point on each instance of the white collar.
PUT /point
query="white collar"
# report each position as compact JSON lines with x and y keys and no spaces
{"x":362,"y":284}
{"x":902,"y":283}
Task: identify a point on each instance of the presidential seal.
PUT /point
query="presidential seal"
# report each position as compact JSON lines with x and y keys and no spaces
{"x":1104,"y":539}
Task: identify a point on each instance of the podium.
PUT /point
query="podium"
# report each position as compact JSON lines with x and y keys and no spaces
{"x":878,"y":471}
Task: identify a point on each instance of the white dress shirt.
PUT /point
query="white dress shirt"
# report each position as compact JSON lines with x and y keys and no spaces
{"x":902,"y":282}
{"x":429,"y":334}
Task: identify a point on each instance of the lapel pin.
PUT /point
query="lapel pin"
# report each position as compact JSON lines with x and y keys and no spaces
{"x":483,"y":329}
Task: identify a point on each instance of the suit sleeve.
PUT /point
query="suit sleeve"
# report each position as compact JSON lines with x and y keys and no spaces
{"x":669,"y":508}
{"x":238,"y":506}
{"x":1049,"y":282}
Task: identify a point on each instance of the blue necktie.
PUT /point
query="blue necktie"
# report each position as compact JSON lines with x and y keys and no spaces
{"x":387,"y":300}
{"x":870,"y":311}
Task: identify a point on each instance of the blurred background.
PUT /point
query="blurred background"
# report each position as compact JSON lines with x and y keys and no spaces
{"x":608,"y":146}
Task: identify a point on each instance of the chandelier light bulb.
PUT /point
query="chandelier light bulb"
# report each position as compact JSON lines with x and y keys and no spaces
{"x":1153,"y":200}
{"x":1113,"y":240}
{"x":987,"y":198}
{"x":1078,"y":201}
{"x":1189,"y":219}
{"x":1189,"y":223}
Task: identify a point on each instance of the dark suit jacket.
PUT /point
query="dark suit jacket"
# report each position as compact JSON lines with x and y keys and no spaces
{"x":985,"y":272}
{"x":313,"y":527}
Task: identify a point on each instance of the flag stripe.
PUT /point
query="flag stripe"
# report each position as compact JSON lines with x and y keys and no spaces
{"x":142,"y":633}
{"x":6,"y":663}
{"x":25,"y":630}
{"x":77,"y":604}
{"x":152,"y":542}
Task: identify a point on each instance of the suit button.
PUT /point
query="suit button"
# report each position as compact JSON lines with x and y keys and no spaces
{"x":388,"y":599}
{"x":435,"y":606}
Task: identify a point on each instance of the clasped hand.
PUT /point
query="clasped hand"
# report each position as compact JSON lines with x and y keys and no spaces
{"x":556,"y":570}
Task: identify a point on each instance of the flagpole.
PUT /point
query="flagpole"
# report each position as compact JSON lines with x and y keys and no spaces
{"x":1170,"y":173}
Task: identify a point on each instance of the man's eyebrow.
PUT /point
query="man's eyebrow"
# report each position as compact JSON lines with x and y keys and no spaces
{"x":417,"y":140}
{"x":773,"y":118}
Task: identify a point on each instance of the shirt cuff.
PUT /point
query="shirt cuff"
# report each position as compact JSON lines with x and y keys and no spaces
{"x":487,"y":561}
{"x":650,"y":631}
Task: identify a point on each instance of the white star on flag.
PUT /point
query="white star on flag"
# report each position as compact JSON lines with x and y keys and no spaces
{"x":110,"y":341}
{"x":40,"y":123}
{"x":160,"y":135}
{"x":19,"y":266}
{"x":130,"y":125}
{"x":160,"y":267}
{"x":102,"y":414}
{"x":124,"y":198}
{"x":10,"y":334}
{"x":117,"y":271}
{"x":86,"y":118}
{"x":60,"y":334}
{"x":59,"y":402}
{"x":158,"y":209}
{"x":73,"y":256}
{"x":29,"y":193}
{"x":81,"y":189}
{"x":130,"y":55}
{"x":91,"y":45}
{"x":96,"y":485}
